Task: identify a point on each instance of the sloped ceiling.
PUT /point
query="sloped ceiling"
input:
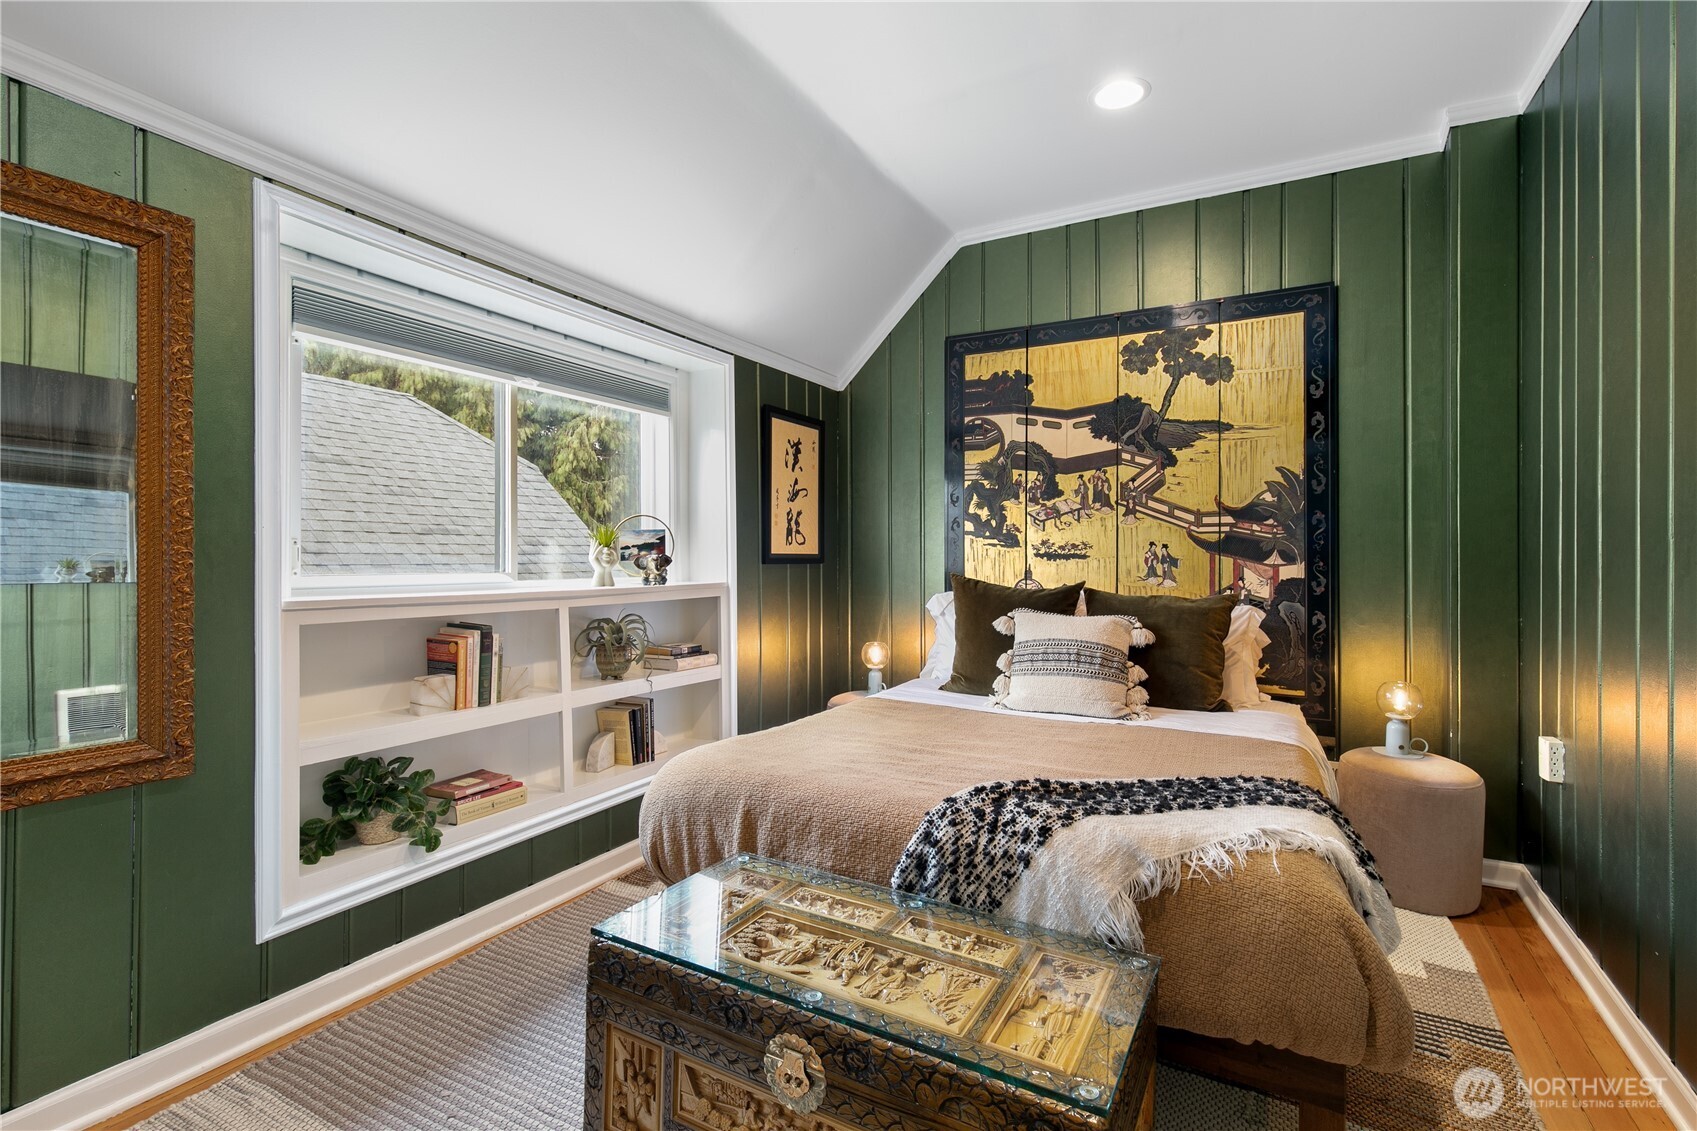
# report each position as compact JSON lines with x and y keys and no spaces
{"x":779,"y":179}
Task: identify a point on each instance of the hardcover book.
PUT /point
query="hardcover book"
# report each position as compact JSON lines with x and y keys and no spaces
{"x":446,"y":655}
{"x":468,"y":785}
{"x":682,"y":663}
{"x":485,"y":659}
{"x":474,"y":654}
{"x":676,"y":649}
{"x":617,"y":719}
{"x":488,"y":803}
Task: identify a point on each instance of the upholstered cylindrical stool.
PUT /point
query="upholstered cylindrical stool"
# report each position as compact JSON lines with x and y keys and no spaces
{"x":1423,"y":819}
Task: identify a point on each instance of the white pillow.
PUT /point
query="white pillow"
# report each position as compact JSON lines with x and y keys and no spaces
{"x":940,"y":661}
{"x":1244,"y":644}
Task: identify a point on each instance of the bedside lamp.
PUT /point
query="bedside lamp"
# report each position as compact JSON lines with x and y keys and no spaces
{"x":876,"y":656}
{"x":1400,"y":701}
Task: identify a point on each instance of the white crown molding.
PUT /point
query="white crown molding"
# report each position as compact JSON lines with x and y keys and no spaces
{"x":1114,"y":206}
{"x":50,"y":73}
{"x":1552,"y":49}
{"x":133,"y":1082}
{"x":1675,"y":1093}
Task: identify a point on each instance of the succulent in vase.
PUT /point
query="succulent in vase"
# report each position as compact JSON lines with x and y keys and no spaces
{"x":604,"y":554}
{"x":68,"y":567}
{"x":616,"y":644}
{"x":376,"y":801}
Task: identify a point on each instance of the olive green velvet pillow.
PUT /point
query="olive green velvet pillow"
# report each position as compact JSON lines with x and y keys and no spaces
{"x":978,"y":644}
{"x":1187,"y":662}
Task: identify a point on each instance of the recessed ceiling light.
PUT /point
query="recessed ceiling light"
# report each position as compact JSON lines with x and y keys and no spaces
{"x":1117,"y":94}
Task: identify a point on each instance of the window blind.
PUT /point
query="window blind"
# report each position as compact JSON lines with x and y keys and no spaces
{"x":341,"y":315}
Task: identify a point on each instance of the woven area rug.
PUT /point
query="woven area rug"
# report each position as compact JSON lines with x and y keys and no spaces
{"x":495,"y":1042}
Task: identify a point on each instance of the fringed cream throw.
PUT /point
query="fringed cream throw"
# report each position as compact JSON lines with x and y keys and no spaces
{"x":1077,"y":856}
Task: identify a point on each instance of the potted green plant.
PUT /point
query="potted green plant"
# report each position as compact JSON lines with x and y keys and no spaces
{"x":616,"y":644}
{"x":604,"y":555}
{"x":374,"y":802}
{"x":68,"y":568}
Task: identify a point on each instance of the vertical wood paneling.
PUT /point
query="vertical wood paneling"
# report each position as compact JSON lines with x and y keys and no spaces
{"x":1308,"y":231}
{"x":70,"y":873}
{"x":1611,"y":334}
{"x":1051,"y":276}
{"x":1585,"y":757}
{"x":375,"y":925}
{"x":1169,"y":255}
{"x":1220,"y":245}
{"x":1007,"y":282}
{"x":1682,"y":458}
{"x":1371,"y":560}
{"x":751,"y":515}
{"x":907,"y":593}
{"x":966,"y":291}
{"x":1531,"y":811}
{"x":196,"y":960}
{"x":1118,"y":264}
{"x":935,"y":304}
{"x":300,"y":956}
{"x":1617,"y":436}
{"x":869,"y":593}
{"x":1265,"y":238}
{"x":1486,"y":596}
{"x":1650,"y":823}
{"x":1083,"y":299}
{"x":1429,"y":547}
{"x":798,"y":595}
{"x":774,"y":603}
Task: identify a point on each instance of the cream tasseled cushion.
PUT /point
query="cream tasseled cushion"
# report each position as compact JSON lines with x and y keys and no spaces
{"x":1423,"y":819}
{"x":1070,"y":665}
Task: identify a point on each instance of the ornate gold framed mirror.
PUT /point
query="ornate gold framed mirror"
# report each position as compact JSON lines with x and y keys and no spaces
{"x":96,"y":491}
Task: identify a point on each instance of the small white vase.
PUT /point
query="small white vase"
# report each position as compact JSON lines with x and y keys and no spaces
{"x":603,"y":559}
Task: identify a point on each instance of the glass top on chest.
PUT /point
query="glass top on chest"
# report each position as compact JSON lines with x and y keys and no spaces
{"x":1055,"y":1013}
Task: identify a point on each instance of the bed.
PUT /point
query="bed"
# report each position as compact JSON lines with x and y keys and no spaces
{"x":1273,"y":955}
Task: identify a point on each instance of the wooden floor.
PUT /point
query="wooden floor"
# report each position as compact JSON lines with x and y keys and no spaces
{"x":1555,"y":1031}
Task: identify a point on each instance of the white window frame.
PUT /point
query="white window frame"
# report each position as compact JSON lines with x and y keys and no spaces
{"x":686,"y":462}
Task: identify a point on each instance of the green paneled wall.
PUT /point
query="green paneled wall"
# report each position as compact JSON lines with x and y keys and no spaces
{"x":1426,"y":396}
{"x":126,"y":918}
{"x":1608,"y":499}
{"x":790,"y":653}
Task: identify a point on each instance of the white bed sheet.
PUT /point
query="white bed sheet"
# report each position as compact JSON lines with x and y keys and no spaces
{"x":1280,"y":722}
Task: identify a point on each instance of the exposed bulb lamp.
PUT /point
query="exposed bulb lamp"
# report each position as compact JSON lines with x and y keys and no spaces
{"x":1401,"y":701}
{"x":875,"y":654}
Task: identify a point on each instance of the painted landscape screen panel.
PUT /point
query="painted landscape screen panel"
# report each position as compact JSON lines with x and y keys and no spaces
{"x":1181,"y":450}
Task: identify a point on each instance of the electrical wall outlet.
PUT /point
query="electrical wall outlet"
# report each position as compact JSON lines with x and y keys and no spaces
{"x":1552,"y":759}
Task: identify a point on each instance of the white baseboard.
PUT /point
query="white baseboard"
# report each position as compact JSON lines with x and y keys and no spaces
{"x":134,"y":1082}
{"x":1677,"y":1097}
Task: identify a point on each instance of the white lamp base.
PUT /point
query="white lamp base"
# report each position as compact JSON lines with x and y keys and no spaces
{"x":1397,"y":744}
{"x":874,"y":681}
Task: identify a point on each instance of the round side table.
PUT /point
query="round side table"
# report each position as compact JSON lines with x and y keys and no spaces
{"x":845,"y":698}
{"x":1423,"y":819}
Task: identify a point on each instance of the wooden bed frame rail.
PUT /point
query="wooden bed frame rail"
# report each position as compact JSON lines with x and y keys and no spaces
{"x":1316,"y":1087}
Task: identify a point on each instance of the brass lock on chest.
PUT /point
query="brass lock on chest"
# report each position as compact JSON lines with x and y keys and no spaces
{"x":794,"y":1073}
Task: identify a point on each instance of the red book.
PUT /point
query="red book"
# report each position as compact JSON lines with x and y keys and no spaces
{"x":467,"y":785}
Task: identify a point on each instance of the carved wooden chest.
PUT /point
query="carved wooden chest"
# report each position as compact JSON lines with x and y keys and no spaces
{"x":760,"y":996}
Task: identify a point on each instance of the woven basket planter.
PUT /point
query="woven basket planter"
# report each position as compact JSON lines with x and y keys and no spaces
{"x":379,"y":830}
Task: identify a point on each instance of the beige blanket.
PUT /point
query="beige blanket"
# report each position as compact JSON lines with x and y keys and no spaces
{"x":1272,"y":953}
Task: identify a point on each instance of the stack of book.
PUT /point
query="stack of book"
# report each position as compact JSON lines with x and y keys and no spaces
{"x":632,"y":724}
{"x":481,"y":793}
{"x":472,"y":654}
{"x":679,"y":657}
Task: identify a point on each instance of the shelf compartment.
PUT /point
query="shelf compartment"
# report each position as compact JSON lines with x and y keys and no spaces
{"x":593,"y":692}
{"x":332,"y":740}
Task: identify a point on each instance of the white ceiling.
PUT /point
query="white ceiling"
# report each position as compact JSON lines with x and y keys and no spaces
{"x":779,"y":179}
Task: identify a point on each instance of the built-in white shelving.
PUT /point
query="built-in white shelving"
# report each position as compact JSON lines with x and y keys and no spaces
{"x":347,"y":670}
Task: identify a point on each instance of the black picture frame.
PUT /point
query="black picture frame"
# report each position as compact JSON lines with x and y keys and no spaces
{"x":774,"y":508}
{"x":1318,"y":304}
